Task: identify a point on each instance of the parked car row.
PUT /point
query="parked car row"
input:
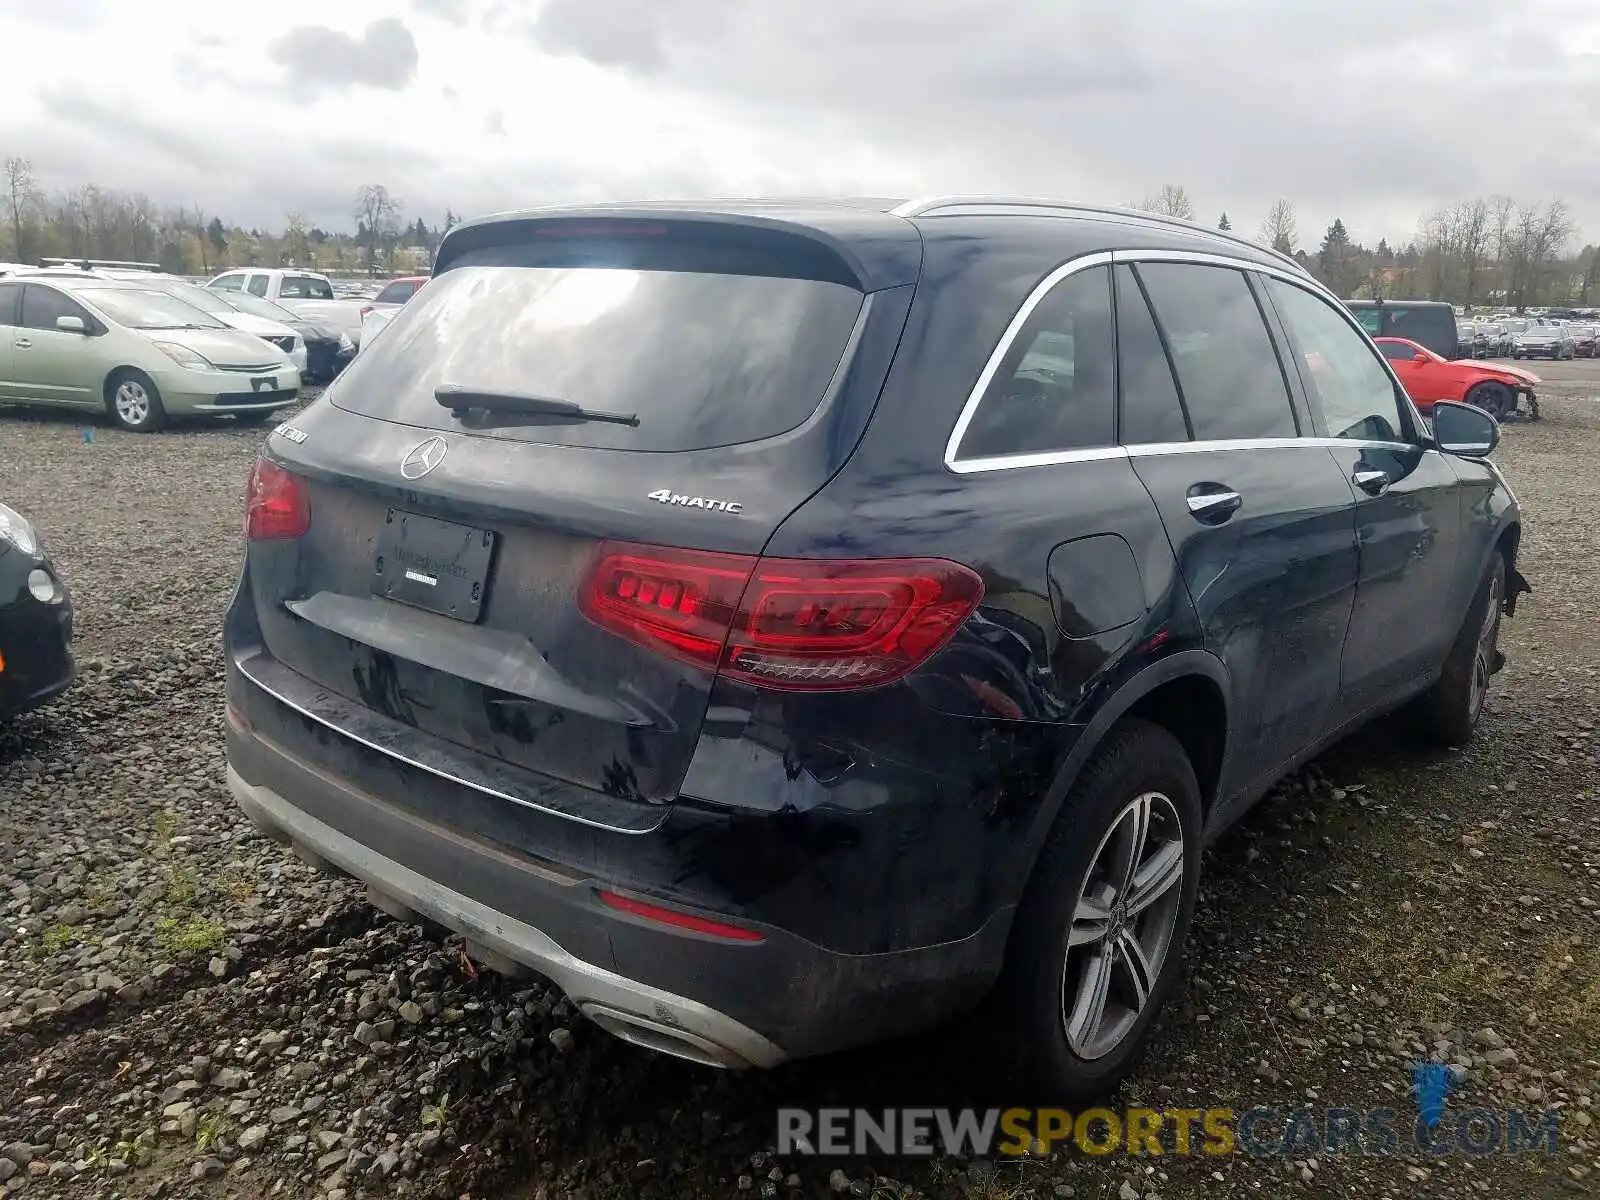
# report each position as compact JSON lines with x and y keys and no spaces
{"x":305,"y":292}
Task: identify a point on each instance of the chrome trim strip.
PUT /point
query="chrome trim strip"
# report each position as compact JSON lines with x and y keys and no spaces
{"x":436,"y":772}
{"x":1207,"y":501}
{"x":1051,"y":458}
{"x":969,"y":409}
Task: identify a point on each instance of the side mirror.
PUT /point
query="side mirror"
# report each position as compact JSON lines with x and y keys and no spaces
{"x":71,"y":325}
{"x":1464,"y":430}
{"x":1419,"y":358}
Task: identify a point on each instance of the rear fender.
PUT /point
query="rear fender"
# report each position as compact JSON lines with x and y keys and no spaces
{"x":1179,"y":665}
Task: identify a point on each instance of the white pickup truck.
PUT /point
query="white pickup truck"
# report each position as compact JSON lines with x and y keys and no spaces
{"x":304,"y":292}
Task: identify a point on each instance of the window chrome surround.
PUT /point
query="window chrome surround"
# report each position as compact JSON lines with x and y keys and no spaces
{"x":1100,"y":258}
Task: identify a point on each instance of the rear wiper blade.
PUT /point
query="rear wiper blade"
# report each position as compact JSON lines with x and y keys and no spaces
{"x":459,"y":399}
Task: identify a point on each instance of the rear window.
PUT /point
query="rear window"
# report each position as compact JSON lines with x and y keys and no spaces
{"x":304,"y":287}
{"x":1434,"y":327}
{"x":703,"y":359}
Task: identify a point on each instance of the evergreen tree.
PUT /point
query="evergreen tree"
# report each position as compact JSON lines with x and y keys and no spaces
{"x":1335,"y":257}
{"x":1224,"y":224}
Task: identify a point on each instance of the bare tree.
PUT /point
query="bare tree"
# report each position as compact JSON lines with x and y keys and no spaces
{"x":1591,"y":274}
{"x":294,"y":238}
{"x":377,"y":216}
{"x":1279,"y":230}
{"x":22,"y":196}
{"x":1172,"y":201}
{"x":1470,"y":220}
{"x":1538,"y":236}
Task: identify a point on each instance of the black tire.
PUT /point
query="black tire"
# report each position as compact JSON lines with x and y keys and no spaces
{"x":258,"y":417}
{"x":1448,"y":713}
{"x":1496,"y":399}
{"x":133,"y":401}
{"x":1028,"y":1016}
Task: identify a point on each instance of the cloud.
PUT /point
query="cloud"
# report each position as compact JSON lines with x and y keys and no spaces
{"x":317,"y":57}
{"x":457,"y":12}
{"x":1362,"y":109}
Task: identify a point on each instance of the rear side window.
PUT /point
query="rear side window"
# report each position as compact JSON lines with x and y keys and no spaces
{"x":1054,"y":390}
{"x":1397,"y":351}
{"x":10,"y":297}
{"x":227,"y":283}
{"x":396,"y":293}
{"x":1151,"y":409}
{"x":701,"y":358}
{"x":258,"y":286}
{"x":1228,"y":370}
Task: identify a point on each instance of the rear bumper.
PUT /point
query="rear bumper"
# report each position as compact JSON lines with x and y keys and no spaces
{"x":710,"y":999}
{"x":625,"y":1006}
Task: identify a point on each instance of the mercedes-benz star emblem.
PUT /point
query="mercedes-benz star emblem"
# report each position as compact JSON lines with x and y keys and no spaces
{"x":423,"y":457}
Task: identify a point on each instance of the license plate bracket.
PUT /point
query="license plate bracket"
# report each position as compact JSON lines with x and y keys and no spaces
{"x":264,"y":383}
{"x":434,"y":565}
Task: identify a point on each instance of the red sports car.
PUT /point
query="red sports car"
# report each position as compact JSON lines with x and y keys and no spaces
{"x":1495,"y":388}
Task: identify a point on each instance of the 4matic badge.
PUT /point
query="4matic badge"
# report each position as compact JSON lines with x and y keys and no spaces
{"x":668,"y":496}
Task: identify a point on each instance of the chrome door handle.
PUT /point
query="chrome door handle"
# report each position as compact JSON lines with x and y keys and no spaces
{"x":1212,"y":507}
{"x":1210,"y":501}
{"x":23,"y":344}
{"x":1371,"y":481}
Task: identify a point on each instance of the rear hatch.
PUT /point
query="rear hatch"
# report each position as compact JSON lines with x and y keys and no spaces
{"x":546,"y":592}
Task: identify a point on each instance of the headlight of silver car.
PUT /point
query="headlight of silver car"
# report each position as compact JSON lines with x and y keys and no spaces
{"x":16,"y":531}
{"x":184,"y":356}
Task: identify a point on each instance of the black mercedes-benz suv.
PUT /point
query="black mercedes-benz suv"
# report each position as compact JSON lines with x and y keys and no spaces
{"x":789,"y":625}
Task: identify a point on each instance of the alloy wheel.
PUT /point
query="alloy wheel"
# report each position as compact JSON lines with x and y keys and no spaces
{"x":132,"y":402}
{"x":1484,"y":652}
{"x":1122,"y":925}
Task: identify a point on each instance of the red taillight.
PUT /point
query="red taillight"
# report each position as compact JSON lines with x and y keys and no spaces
{"x":678,"y":920}
{"x":793,"y":624}
{"x":365,"y":309}
{"x":276,"y":504}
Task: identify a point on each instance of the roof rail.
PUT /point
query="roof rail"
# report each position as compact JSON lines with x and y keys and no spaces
{"x":931,"y":205}
{"x":89,"y":264}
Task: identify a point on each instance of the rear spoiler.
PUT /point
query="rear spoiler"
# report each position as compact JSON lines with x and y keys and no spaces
{"x":857,"y":247}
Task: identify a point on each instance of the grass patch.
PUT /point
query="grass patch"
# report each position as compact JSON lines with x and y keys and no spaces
{"x":195,"y":936}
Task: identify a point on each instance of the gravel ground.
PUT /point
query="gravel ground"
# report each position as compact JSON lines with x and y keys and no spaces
{"x":187,"y":1010}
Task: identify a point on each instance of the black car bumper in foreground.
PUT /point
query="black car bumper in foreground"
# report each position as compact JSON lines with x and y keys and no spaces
{"x":35,"y":633}
{"x":716,"y":1000}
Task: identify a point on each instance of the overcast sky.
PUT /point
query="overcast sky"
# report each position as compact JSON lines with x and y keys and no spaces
{"x":256,"y":108}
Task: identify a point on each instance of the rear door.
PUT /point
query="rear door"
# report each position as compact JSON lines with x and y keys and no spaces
{"x":545,"y":596}
{"x":1261,"y":519}
{"x":1408,"y":505}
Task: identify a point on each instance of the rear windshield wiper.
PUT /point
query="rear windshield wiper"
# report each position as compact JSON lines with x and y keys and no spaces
{"x":459,"y":399}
